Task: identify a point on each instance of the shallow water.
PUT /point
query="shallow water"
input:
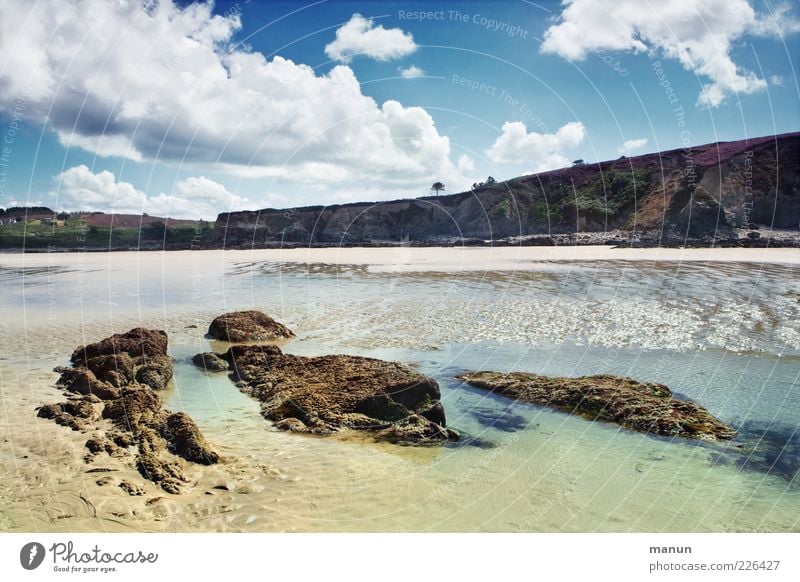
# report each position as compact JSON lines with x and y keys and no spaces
{"x":724,"y":334}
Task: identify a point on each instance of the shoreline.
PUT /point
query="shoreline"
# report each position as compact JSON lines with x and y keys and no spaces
{"x":270,"y":480}
{"x":429,"y":259}
{"x":742,"y":238}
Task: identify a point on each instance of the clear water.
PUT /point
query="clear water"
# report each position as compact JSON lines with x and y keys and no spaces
{"x":724,"y":334}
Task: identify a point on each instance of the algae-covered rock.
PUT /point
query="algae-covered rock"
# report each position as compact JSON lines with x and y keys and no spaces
{"x":121,"y":375}
{"x":210,"y":362}
{"x":248,"y":326}
{"x":327,"y":394}
{"x":642,"y":406}
{"x":187,"y":441}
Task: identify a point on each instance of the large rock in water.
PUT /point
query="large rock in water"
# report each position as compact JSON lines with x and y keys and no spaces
{"x":327,"y":394}
{"x":248,"y":326}
{"x":640,"y":406}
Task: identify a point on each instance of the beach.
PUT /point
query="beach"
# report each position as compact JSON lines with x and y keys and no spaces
{"x":719,"y":326}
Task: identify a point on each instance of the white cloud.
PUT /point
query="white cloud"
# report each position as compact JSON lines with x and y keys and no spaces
{"x":82,"y":189}
{"x":102,"y":145}
{"x":543,"y":150}
{"x":466,"y":164}
{"x":196,"y":197}
{"x":632,"y":145}
{"x":778,"y":22}
{"x":361,"y":36}
{"x":776,"y":80}
{"x":698,"y":33}
{"x":411,"y":72}
{"x":167,"y":83}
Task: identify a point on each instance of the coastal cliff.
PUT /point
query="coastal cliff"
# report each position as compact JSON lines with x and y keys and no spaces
{"x":699,"y":192}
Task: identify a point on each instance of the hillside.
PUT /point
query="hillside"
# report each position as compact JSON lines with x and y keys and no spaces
{"x":701,"y":194}
{"x":39,"y":228}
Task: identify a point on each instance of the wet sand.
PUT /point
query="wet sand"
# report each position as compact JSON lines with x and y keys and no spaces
{"x":273,"y":481}
{"x":442,"y":259}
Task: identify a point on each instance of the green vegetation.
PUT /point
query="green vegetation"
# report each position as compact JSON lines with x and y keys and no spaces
{"x":542,"y":212}
{"x":75,"y":233}
{"x":609,"y":195}
{"x":503,"y":208}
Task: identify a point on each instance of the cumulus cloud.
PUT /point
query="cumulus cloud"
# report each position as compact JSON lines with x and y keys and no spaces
{"x":698,"y":33}
{"x":196,"y":197}
{"x":361,"y":36}
{"x":158,"y":81}
{"x":82,"y":189}
{"x":632,"y":145}
{"x":466,"y":164}
{"x":776,"y":80}
{"x":545,"y":151}
{"x":411,"y":72}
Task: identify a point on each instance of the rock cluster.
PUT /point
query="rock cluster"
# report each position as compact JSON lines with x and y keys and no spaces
{"x":327,"y":394}
{"x":642,"y":406}
{"x":117,"y":379}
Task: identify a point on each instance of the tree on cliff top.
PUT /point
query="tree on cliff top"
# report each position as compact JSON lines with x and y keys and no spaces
{"x":437,"y":187}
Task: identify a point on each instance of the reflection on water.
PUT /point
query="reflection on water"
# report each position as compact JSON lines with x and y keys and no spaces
{"x":770,"y":448}
{"x":726,"y":335}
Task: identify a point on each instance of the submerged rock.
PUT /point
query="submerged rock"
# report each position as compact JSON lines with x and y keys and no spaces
{"x":210,"y":362}
{"x":248,"y":326}
{"x":642,"y":406}
{"x":326,"y":394}
{"x":121,"y":374}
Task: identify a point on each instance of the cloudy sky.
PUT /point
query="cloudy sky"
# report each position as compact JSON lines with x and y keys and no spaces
{"x":190,"y":109}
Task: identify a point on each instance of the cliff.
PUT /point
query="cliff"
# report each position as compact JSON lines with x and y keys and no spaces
{"x":701,"y":192}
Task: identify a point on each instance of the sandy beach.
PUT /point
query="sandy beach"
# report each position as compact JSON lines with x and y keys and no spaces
{"x":271,"y":481}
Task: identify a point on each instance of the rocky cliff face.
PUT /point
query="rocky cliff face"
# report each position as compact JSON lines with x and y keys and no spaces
{"x":696,"y":192}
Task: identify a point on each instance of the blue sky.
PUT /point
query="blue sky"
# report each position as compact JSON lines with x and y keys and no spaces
{"x":194,"y":109}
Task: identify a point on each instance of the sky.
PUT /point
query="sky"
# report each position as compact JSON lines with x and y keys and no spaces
{"x":191,"y":109}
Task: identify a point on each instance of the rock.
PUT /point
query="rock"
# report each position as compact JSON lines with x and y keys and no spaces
{"x":123,"y":373}
{"x":95,"y":445}
{"x":83,"y":381}
{"x":74,"y":414}
{"x":138,"y":342}
{"x":132,"y":488}
{"x":152,"y":463}
{"x":641,"y":406}
{"x":186,"y":440}
{"x":210,"y":362}
{"x":700,"y":214}
{"x":248,"y":326}
{"x":156,"y":373}
{"x":103,"y":481}
{"x":98,"y":445}
{"x":128,"y":410}
{"x":327,"y":394}
{"x":116,"y":369}
{"x":139,"y":355}
{"x":121,"y":439}
{"x":49,"y":411}
{"x":291,"y":424}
